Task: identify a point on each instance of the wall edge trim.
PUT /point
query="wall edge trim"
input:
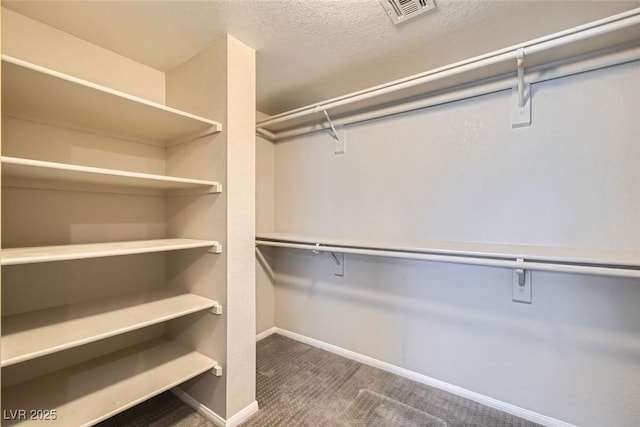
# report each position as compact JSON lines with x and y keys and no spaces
{"x":423,"y":379}
{"x":216,"y":419}
{"x":242,"y":415}
{"x":267,"y":332}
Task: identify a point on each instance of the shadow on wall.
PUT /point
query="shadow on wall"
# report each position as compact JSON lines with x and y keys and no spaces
{"x":471,"y":298}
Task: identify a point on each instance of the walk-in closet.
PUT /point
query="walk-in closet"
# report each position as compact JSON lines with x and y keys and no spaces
{"x":356,"y":213}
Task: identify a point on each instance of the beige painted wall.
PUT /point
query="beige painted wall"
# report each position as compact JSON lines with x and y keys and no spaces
{"x":241,"y":279}
{"x":1,"y":10}
{"x":219,"y":83}
{"x":199,"y":86}
{"x":31,"y":41}
{"x":71,"y":214}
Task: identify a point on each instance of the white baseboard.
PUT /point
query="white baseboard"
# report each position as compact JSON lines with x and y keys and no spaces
{"x":243,"y":414}
{"x":459,"y":391}
{"x":216,"y":419}
{"x":262,"y":335}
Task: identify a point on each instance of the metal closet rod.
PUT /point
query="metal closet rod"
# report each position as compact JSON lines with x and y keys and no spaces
{"x":537,"y":74}
{"x":603,"y":26}
{"x":489,"y":261}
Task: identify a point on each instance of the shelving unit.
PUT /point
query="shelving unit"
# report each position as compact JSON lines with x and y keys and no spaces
{"x":30,"y":255}
{"x":13,"y":167}
{"x":93,"y":391}
{"x":30,"y":335}
{"x":44,"y":95}
{"x":102,"y":384}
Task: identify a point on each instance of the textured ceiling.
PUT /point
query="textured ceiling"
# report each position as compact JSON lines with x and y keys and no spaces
{"x":310,"y":50}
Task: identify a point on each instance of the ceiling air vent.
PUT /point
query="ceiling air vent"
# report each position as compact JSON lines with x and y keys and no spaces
{"x":402,"y":10}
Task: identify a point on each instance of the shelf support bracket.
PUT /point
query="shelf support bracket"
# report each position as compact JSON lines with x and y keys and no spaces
{"x":216,"y":370}
{"x":520,"y":96}
{"x":216,"y":309}
{"x":215,"y":249}
{"x":213,"y":189}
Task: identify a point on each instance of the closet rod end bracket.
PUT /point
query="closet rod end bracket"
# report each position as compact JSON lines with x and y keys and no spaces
{"x":521,"y":288}
{"x":521,"y":114}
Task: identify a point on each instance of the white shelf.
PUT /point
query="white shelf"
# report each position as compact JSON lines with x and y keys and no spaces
{"x":500,"y":251}
{"x":36,"y":93}
{"x":98,"y":389}
{"x":30,"y":335}
{"x":49,"y":171}
{"x":28,"y":255}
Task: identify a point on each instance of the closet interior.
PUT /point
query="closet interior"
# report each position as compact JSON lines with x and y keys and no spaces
{"x":472,"y":227}
{"x":114,"y":233}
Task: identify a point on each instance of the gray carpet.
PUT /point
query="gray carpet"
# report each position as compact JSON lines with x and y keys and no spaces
{"x":373,"y":409}
{"x":164,"y":410}
{"x":300,"y":385}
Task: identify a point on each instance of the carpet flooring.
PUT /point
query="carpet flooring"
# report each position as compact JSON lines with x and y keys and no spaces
{"x":300,"y":385}
{"x":164,"y":410}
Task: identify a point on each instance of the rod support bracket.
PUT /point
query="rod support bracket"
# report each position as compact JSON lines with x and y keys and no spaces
{"x":520,"y":96}
{"x":334,"y":133}
{"x":521,"y":288}
{"x":520,"y":273}
{"x":339,"y":143}
{"x":338,"y":259}
{"x":335,"y":258}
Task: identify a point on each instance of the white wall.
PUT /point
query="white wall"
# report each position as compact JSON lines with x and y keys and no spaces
{"x":458,"y":172}
{"x":219,"y":82}
{"x":265,"y":193}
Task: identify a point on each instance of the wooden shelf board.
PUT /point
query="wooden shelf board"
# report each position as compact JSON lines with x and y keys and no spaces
{"x":28,"y":255}
{"x":476,"y":249}
{"x":30,"y":335}
{"x":49,"y":171}
{"x":93,"y":391}
{"x":37,"y":93}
